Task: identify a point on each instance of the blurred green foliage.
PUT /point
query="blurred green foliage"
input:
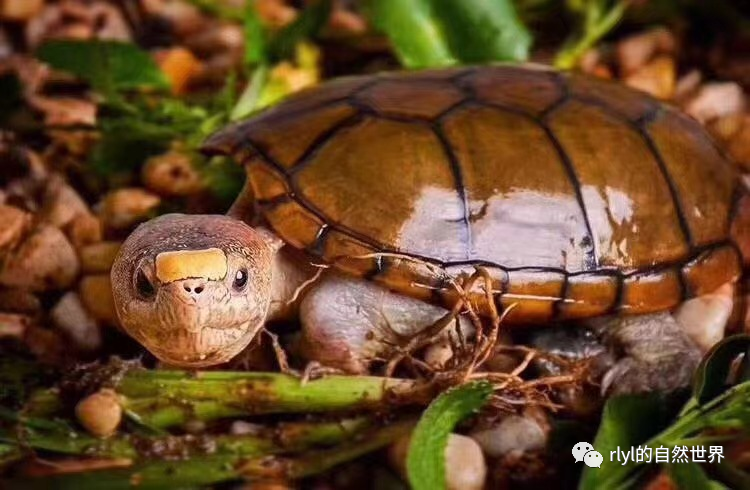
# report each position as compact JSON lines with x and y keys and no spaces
{"x":596,"y":19}
{"x":433,"y":33}
{"x":108,"y":66}
{"x":138,"y":118}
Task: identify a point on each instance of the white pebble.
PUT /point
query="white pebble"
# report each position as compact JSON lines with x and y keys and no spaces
{"x":715,"y":100}
{"x":465,"y":466}
{"x":513,"y":433}
{"x":705,"y":318}
{"x":70,"y":316}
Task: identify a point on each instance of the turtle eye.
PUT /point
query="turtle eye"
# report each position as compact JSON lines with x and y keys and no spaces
{"x":143,"y":285}
{"x":240,"y":280}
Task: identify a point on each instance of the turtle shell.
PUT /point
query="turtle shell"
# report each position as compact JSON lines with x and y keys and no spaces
{"x":576,"y":197}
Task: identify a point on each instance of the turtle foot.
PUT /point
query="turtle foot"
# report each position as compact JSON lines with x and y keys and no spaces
{"x":656,"y":354}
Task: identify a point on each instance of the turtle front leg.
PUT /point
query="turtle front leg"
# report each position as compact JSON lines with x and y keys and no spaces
{"x":662,"y":350}
{"x":657,"y":354}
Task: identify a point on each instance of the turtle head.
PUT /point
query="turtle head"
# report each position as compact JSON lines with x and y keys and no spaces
{"x":193,"y":289}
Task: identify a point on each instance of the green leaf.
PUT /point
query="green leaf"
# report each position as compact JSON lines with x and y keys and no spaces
{"x":108,"y":66}
{"x":307,"y":25}
{"x":481,"y":31}
{"x":430,"y":33}
{"x":425,"y":462}
{"x":256,"y":51}
{"x":711,"y":376}
{"x":691,"y":475}
{"x":414,"y":31}
{"x":224,"y":179}
{"x":627,"y":421}
{"x":125,"y":144}
{"x":248,"y":101}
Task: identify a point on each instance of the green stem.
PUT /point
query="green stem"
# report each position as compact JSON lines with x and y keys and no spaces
{"x":317,"y":462}
{"x":168,"y":398}
{"x":208,"y":470}
{"x":248,"y":101}
{"x":161,"y":399}
{"x":284,"y":438}
{"x":596,"y":26}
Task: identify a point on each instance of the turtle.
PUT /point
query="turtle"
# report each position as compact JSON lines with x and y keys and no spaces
{"x":368,"y":199}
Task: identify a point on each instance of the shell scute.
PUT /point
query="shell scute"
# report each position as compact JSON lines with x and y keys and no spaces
{"x":582,"y":197}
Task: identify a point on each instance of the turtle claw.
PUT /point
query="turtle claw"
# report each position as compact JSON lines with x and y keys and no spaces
{"x":657,"y":355}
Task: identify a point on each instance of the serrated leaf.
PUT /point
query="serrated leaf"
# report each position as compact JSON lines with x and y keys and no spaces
{"x":425,"y":462}
{"x":711,"y":375}
{"x":109,"y":66}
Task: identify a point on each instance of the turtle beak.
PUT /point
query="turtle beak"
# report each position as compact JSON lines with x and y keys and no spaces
{"x":191,"y":265}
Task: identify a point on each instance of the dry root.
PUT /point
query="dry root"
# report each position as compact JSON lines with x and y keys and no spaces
{"x":512,"y":391}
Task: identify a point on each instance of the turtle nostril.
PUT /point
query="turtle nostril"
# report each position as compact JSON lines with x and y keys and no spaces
{"x":191,"y":288}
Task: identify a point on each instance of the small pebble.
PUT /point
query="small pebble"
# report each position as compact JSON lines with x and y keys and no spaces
{"x":688,"y":85}
{"x":171,"y":174}
{"x":124,"y":208}
{"x":44,"y":261}
{"x":635,"y":51}
{"x":180,"y":66}
{"x":61,"y":203}
{"x":20,"y":10}
{"x":13,"y":325}
{"x":15,"y":225}
{"x":19,"y":301}
{"x":513,"y":433}
{"x":242,"y":428}
{"x":97,"y":258}
{"x":716,"y":99}
{"x":657,"y":78}
{"x":100,"y":413}
{"x":225,"y":37}
{"x":438,"y":354}
{"x":71,"y":318}
{"x":84,"y":230}
{"x":96,"y":294}
{"x":64,"y":111}
{"x":465,"y":466}
{"x":705,"y":318}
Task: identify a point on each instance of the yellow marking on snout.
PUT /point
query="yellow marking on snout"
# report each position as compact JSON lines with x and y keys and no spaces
{"x":210,"y":264}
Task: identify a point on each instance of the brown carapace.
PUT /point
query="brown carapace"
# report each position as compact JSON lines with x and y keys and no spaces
{"x":579,"y":197}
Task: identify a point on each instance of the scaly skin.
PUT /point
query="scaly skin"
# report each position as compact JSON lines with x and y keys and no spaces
{"x":196,"y":320}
